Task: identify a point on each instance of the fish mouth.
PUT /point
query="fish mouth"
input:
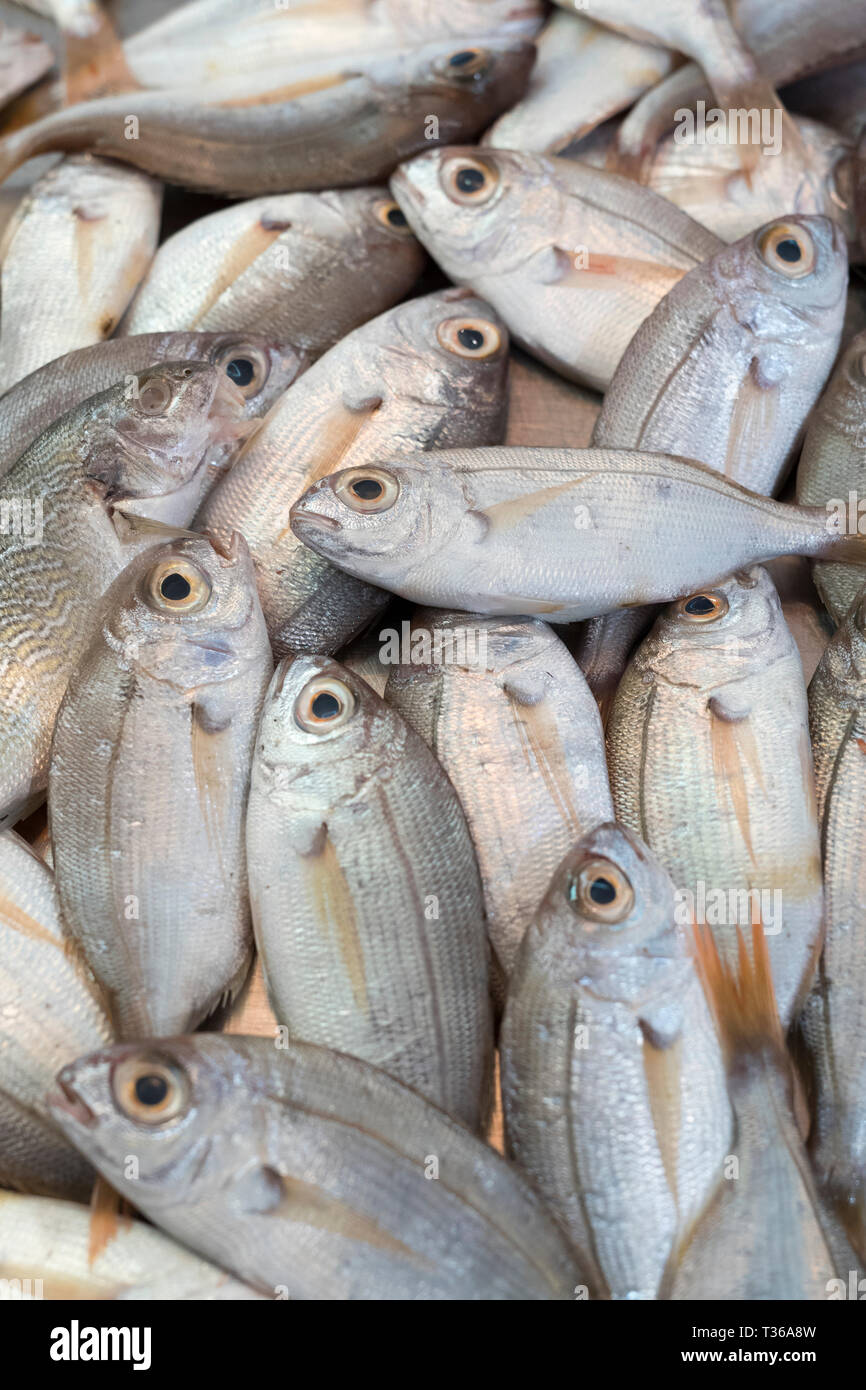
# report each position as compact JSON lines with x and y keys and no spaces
{"x":314,"y":519}
{"x":66,"y":1099}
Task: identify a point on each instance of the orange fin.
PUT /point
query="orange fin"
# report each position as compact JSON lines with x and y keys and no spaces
{"x":741,"y":997}
{"x":109,"y":1212}
{"x":95,"y":64}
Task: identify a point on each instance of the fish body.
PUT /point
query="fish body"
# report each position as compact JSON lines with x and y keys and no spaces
{"x":708,"y":749}
{"x":366,"y":899}
{"x":148,"y":784}
{"x":428,"y":374}
{"x":312,"y":1175}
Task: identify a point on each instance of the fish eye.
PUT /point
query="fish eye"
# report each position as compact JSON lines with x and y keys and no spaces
{"x":154,"y":396}
{"x":367,"y":489}
{"x":392,"y":216}
{"x":175,"y":586}
{"x":469,"y":181}
{"x":246,"y":366}
{"x":476,"y":338}
{"x":600,"y":891}
{"x":150,"y":1090}
{"x":788,"y":249}
{"x":466,"y":63}
{"x":324,"y":703}
{"x":703,"y":608}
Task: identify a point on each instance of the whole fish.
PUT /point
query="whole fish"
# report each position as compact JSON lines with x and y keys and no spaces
{"x":24,"y":58}
{"x":832,"y":469}
{"x":142,"y":446}
{"x":312,"y":1175}
{"x":763,"y":1235}
{"x":427,"y":374}
{"x":834,"y":1018}
{"x":708,"y":750}
{"x":562,"y":534}
{"x":329,"y":129}
{"x":46,"y":1247}
{"x":612,"y":1077}
{"x":148,"y":783}
{"x":573,"y":258}
{"x":261,"y":368}
{"x":508,"y":697}
{"x":50,"y":1012}
{"x":304,"y":267}
{"x":72,"y":257}
{"x":728,"y":366}
{"x":366,"y":900}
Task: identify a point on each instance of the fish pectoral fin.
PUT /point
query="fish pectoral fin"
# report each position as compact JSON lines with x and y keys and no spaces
{"x":258,"y":1190}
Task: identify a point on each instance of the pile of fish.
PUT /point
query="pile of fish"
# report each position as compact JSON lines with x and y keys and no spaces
{"x":432,"y":785}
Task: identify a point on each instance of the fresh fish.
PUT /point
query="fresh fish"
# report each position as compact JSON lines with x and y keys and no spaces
{"x":366,"y":898}
{"x":562,"y":534}
{"x":329,"y":129}
{"x":832,"y":469}
{"x":834,"y":1019}
{"x":49,"y":1013}
{"x":148,"y":784}
{"x":303,"y":267}
{"x":68,"y":531}
{"x":46,"y":1246}
{"x":261,"y":368}
{"x":545,"y":410}
{"x":507,"y":697}
{"x":728,"y":366}
{"x":612,"y":1076}
{"x":583,"y":75}
{"x":431,"y":373}
{"x":24,"y":58}
{"x":604,"y":647}
{"x":529,"y":234}
{"x":72,"y":257}
{"x":762,"y":1236}
{"x":313,"y":1175}
{"x":708,"y":750}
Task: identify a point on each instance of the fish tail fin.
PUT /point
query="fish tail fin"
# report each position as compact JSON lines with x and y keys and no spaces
{"x":94,"y":62}
{"x":108,"y":1213}
{"x":842,"y":549}
{"x":741,"y":997}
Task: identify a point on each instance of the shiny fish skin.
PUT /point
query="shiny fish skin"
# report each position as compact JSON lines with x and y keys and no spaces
{"x":48,"y":1240}
{"x":365,"y":894}
{"x":395,"y":385}
{"x":304,"y":1170}
{"x":107,"y":453}
{"x":612,"y":1077}
{"x":728,"y":366}
{"x":50,"y":1012}
{"x":72,"y":257}
{"x":333,"y":129}
{"x":833,"y":464}
{"x":148,"y":784}
{"x":604,"y":646}
{"x":518,"y":708}
{"x":562,"y":534}
{"x":834,"y":1018}
{"x":305,"y":267}
{"x":34,"y":403}
{"x":550,"y":229}
{"x":708,"y":750}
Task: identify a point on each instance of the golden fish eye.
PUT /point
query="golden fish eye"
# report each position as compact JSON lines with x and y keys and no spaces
{"x":150,"y":1090}
{"x":465,"y":64}
{"x":470,"y":337}
{"x":601,"y":891}
{"x":469,"y":181}
{"x":703,"y":608}
{"x":392,"y":216}
{"x":367,"y":489}
{"x":325,"y":703}
{"x":154,"y":396}
{"x":175,"y":586}
{"x":246,"y":366}
{"x":788,"y":249}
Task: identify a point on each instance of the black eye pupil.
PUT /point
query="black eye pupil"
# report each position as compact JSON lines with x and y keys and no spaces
{"x":788,"y":250}
{"x":470,"y":338}
{"x":700,"y":604}
{"x":470,"y":180}
{"x":151,"y":1090}
{"x":396,"y":217}
{"x":241,"y":371}
{"x":459,"y":60}
{"x":325,"y":706}
{"x":175,"y":587}
{"x":367,"y":489}
{"x":602,"y":891}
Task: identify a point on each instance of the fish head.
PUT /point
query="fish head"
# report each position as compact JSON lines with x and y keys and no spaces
{"x":187,"y":612}
{"x":736,"y":625}
{"x":473,"y":81}
{"x":479,"y":211}
{"x":791,"y":270}
{"x":258,"y":367}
